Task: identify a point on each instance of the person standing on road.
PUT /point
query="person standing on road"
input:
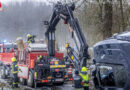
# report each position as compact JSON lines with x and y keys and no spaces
{"x":85,"y":78}
{"x":77,"y":80}
{"x":15,"y":72}
{"x":41,"y":58}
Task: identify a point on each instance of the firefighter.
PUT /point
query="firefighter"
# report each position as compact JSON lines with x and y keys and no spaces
{"x":77,"y":80}
{"x":30,"y":38}
{"x":85,"y":78}
{"x":67,"y":45}
{"x":14,"y":72}
{"x":41,"y":58}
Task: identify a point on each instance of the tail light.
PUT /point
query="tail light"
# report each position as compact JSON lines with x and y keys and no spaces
{"x":44,"y":81}
{"x":71,"y":79}
{"x":49,"y":77}
{"x":82,"y":83}
{"x":56,"y":70}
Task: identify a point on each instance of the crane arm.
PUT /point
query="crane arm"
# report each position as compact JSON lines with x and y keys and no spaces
{"x":65,"y":12}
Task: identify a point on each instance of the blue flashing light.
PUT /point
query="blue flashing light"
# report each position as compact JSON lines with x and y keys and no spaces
{"x":5,"y":41}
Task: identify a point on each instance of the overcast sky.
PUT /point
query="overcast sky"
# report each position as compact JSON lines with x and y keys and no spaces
{"x":6,"y":1}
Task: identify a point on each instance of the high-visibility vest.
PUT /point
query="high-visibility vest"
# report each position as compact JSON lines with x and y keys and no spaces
{"x":31,"y":39}
{"x":15,"y":82}
{"x":85,"y":77}
{"x":14,"y":68}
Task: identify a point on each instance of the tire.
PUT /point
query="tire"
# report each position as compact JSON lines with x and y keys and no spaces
{"x":61,"y":83}
{"x":22,"y":81}
{"x":30,"y":81}
{"x":3,"y":76}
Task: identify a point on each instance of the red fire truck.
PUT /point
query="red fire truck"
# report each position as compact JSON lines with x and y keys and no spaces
{"x":51,"y":70}
{"x":7,"y":51}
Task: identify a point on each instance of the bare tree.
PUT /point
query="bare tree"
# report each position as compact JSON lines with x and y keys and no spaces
{"x":122,"y":15}
{"x":107,"y":19}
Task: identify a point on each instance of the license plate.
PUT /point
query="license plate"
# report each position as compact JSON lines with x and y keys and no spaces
{"x":61,"y":79}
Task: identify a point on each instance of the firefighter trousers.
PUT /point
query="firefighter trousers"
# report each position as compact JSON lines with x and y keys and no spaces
{"x":15,"y":80}
{"x":86,"y":88}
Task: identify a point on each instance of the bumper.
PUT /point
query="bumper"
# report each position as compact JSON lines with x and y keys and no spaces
{"x":55,"y":80}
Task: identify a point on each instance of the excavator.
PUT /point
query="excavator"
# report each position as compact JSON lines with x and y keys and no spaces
{"x":107,"y":73}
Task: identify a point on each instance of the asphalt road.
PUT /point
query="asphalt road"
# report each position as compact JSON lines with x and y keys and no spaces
{"x":4,"y":85}
{"x":63,"y":87}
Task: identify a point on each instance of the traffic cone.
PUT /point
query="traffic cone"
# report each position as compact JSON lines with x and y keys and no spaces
{"x":70,"y":70}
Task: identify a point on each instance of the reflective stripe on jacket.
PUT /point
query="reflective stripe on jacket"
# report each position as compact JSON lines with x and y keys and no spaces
{"x":31,"y":39}
{"x":14,"y":68}
{"x":85,"y":79}
{"x":15,"y":82}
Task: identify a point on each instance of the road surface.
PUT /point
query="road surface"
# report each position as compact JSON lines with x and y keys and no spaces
{"x":4,"y":85}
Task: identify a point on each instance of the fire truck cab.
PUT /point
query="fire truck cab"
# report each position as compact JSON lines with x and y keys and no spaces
{"x":7,"y":51}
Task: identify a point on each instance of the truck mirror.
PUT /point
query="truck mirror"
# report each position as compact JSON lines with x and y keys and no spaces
{"x":112,"y":75}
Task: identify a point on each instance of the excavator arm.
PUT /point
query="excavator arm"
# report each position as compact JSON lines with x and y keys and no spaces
{"x":65,"y":12}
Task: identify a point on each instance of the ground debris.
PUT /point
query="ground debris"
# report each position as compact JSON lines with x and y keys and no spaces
{"x":2,"y":84}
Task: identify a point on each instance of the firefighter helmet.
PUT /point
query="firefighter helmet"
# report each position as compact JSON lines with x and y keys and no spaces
{"x":67,"y":45}
{"x":40,"y":56}
{"x":28,"y":35}
{"x":84,"y":69}
{"x":13,"y":59}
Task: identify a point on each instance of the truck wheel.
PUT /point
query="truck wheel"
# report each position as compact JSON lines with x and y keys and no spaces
{"x":30,"y":81}
{"x":61,"y":83}
{"x":3,"y":76}
{"x":22,"y":81}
